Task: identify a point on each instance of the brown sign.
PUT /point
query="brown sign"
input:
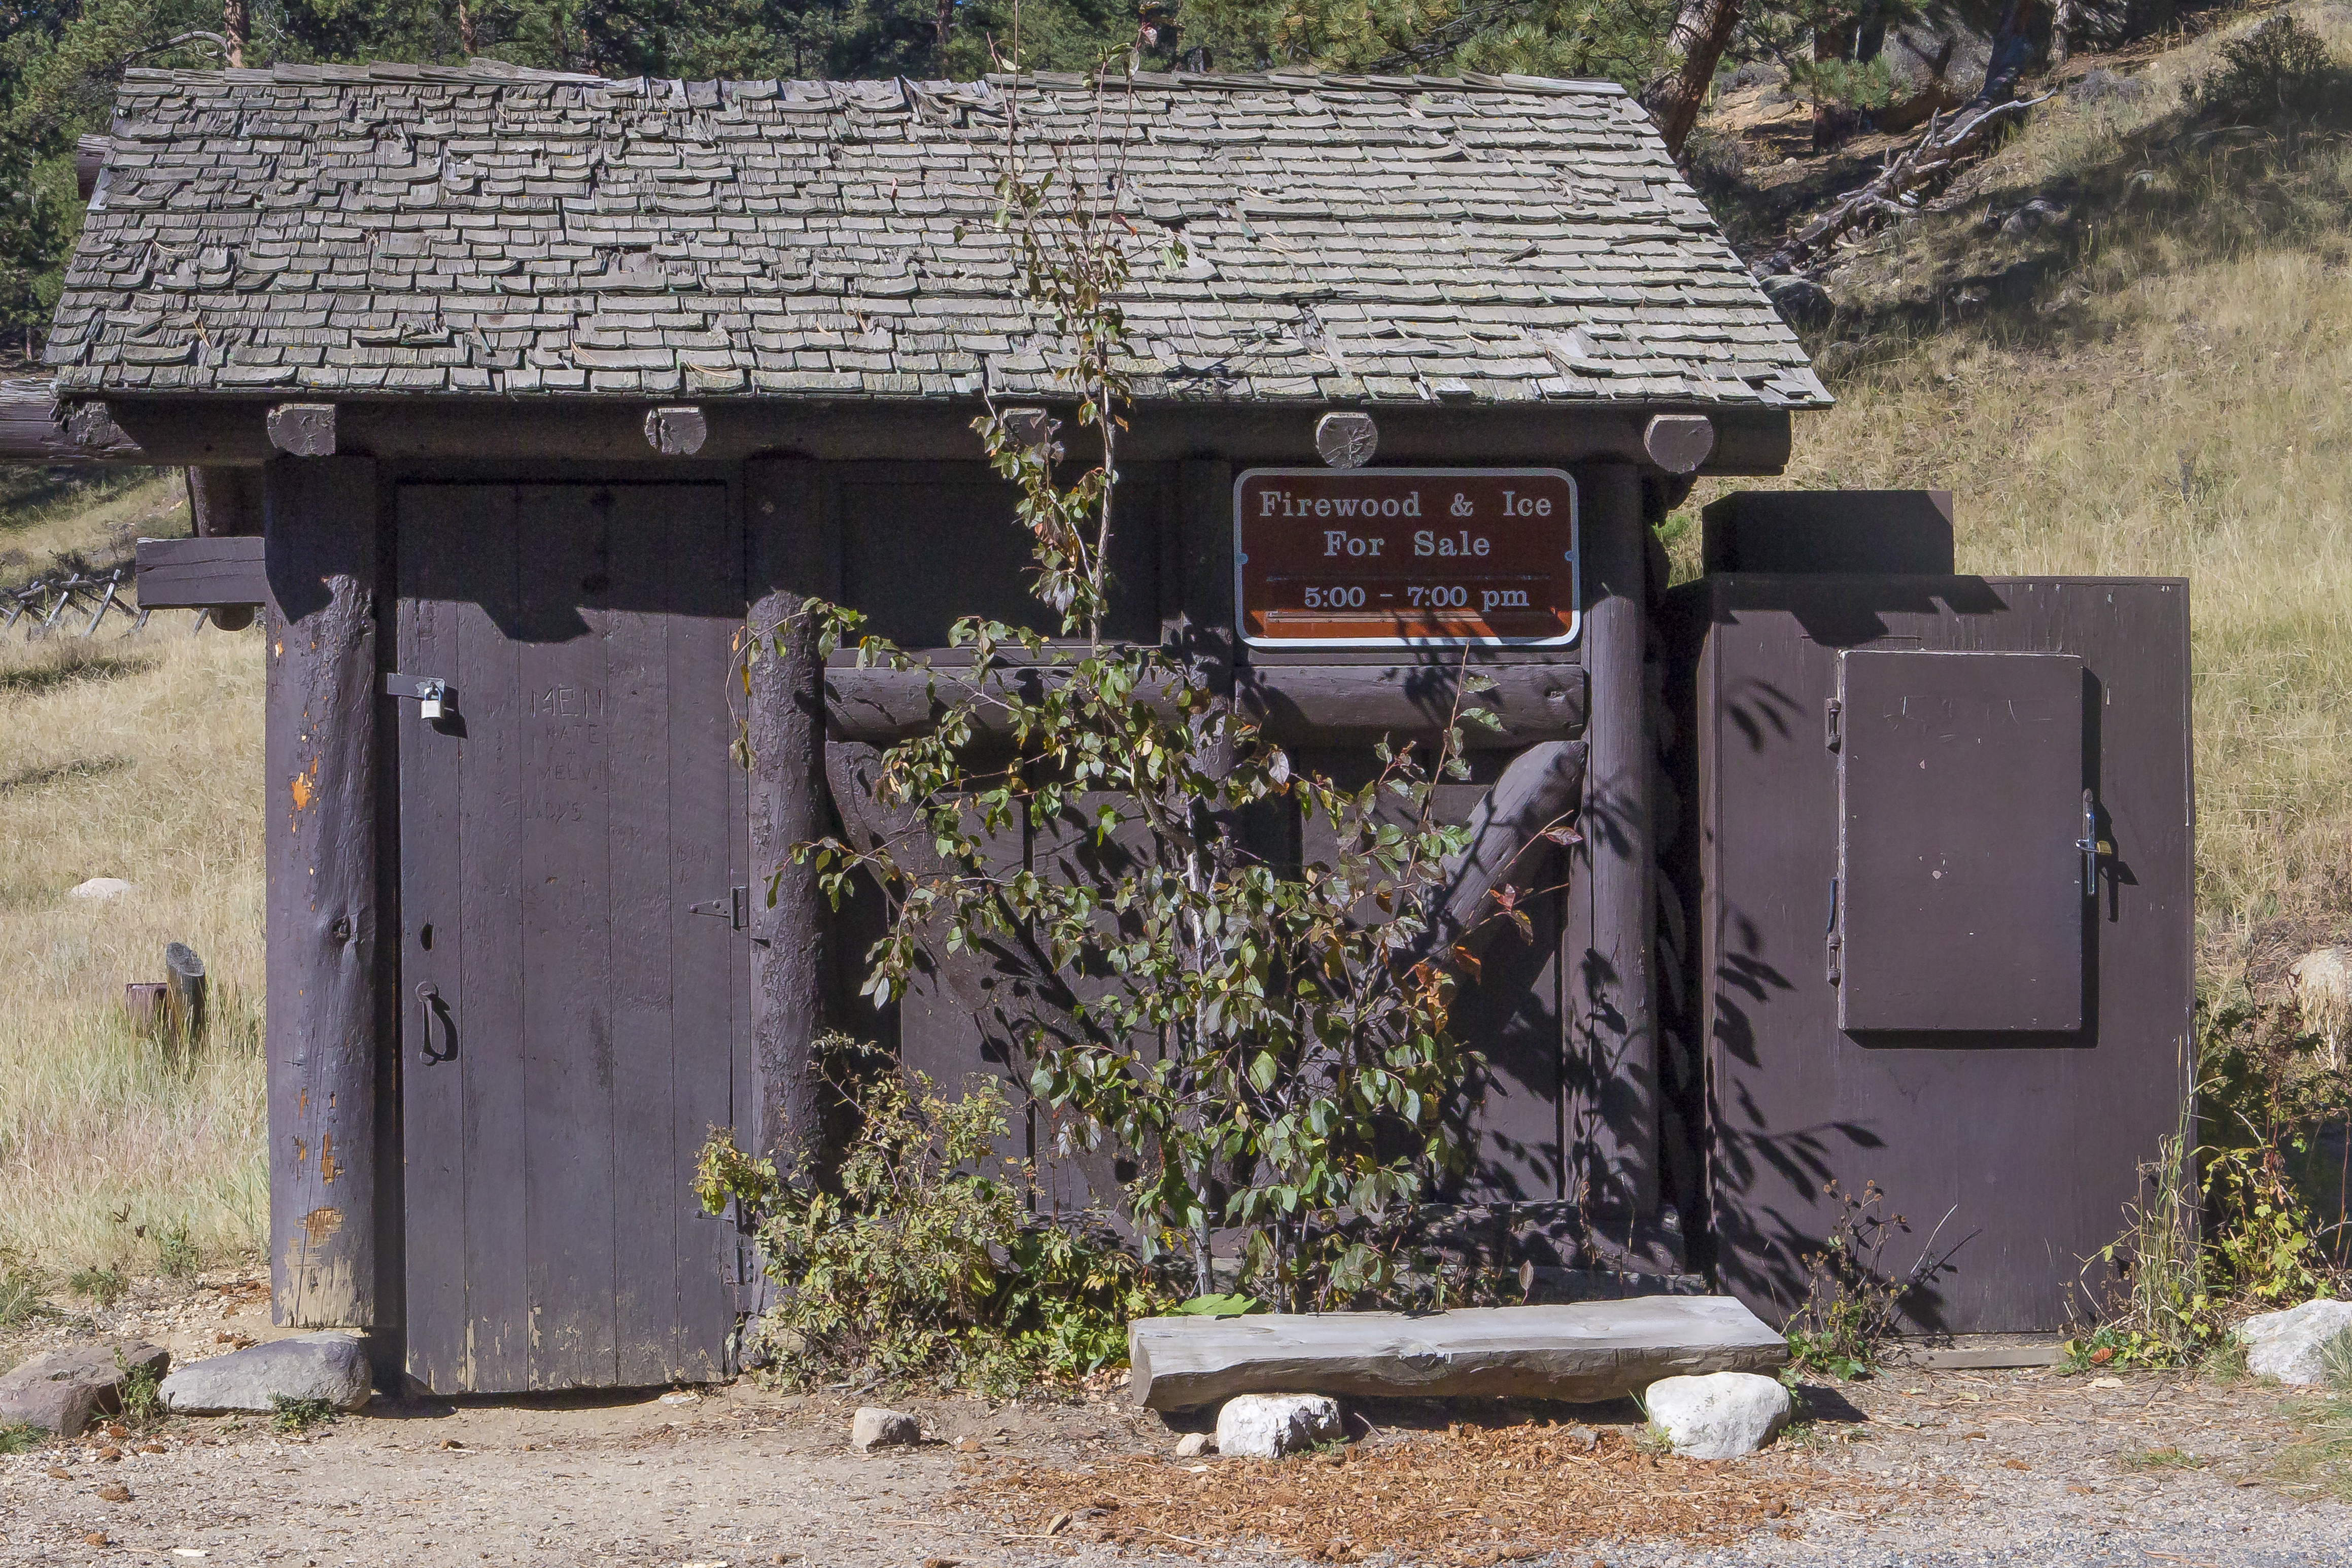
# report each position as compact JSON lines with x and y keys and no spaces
{"x":1397,"y":557}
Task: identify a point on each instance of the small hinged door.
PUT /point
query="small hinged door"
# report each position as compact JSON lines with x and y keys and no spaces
{"x":1961,"y":891}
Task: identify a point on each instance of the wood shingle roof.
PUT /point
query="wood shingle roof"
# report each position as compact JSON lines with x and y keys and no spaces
{"x":379,"y":230}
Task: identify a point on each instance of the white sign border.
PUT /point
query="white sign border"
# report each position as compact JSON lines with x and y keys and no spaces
{"x":1575,"y":559}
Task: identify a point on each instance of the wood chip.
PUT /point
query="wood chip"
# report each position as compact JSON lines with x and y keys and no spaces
{"x":1470,"y":1496}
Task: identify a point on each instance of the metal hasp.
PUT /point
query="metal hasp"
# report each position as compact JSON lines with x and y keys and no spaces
{"x":1959,"y":814}
{"x":1900,"y":766}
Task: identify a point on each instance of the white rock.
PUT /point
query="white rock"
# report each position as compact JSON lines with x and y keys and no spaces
{"x":2290,"y":1345}
{"x":875,"y":1427}
{"x":1193,"y":1445}
{"x":99,"y":887}
{"x":1268,"y":1425}
{"x":1720,"y":1415}
{"x":332,"y":1366}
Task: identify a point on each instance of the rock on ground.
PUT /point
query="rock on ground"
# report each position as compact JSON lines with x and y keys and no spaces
{"x":60,"y":1391}
{"x":875,"y":1427}
{"x":1193,"y":1445}
{"x":1719,"y":1415}
{"x":1268,"y":1425}
{"x":1800,"y":302}
{"x":332,"y":1366}
{"x":2291,"y":1345}
{"x":98,"y":887}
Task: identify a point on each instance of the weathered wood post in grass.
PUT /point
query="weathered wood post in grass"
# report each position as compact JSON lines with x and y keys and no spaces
{"x":184,"y":995}
{"x":320,"y":751}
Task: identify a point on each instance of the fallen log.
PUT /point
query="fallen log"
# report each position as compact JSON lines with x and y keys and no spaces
{"x":1938,"y":151}
{"x":1582,"y":1352}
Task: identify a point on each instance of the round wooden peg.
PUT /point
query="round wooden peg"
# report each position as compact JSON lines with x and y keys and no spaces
{"x":1679,"y":443}
{"x":1346,"y":439}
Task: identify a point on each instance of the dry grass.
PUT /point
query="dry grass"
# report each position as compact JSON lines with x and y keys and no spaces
{"x":138,"y":757}
{"x":2158,"y":386}
{"x":1468,"y":1496}
{"x":48,"y":513}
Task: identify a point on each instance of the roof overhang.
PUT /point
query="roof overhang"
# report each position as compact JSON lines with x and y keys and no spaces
{"x":228,"y":430}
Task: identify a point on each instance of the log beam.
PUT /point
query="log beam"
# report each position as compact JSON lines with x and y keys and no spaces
{"x":215,"y":429}
{"x":320,"y":760}
{"x":1615,"y":984}
{"x":790,"y":805}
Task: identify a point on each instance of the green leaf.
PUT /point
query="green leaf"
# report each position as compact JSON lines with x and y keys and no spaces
{"x":1224,"y":1306}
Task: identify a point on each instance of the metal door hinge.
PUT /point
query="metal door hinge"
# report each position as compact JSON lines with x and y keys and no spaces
{"x":1833,"y":723}
{"x":735,"y":908}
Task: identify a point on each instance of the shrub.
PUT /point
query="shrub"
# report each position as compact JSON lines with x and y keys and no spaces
{"x":2282,"y":71}
{"x":176,"y":1256}
{"x":103,"y":1286}
{"x":1852,"y":1301}
{"x":291,"y":1414}
{"x":20,"y":1290}
{"x":139,"y":1393}
{"x":920,"y":1259}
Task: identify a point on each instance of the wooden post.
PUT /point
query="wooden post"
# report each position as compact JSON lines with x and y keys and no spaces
{"x":790,"y":803}
{"x":320,"y":751}
{"x":184,"y":995}
{"x":1617,"y":1003}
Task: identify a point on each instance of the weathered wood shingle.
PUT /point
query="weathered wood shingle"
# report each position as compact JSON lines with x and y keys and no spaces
{"x":367,"y":230}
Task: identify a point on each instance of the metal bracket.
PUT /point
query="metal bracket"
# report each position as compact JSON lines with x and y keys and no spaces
{"x":1834,"y":942}
{"x":431,"y":693}
{"x":1834,"y":724}
{"x":2089,"y":845}
{"x":735,"y":908}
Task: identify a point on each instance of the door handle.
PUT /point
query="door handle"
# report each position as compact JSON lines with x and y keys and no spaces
{"x":429,"y":1003}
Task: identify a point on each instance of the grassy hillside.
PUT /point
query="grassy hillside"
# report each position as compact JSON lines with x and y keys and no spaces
{"x":2158,"y":382}
{"x":135,"y":757}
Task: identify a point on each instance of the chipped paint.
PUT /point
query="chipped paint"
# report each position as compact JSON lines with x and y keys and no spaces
{"x":328,"y":1169}
{"x":317,"y":1292}
{"x":301,"y":1153}
{"x":305,"y":785}
{"x":321,"y":1223}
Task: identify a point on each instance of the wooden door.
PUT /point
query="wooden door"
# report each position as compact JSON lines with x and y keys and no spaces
{"x":570,"y":1028}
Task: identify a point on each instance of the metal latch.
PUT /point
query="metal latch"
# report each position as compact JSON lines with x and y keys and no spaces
{"x":735,"y":908}
{"x":432,"y":694}
{"x":2089,"y":845}
{"x":1836,"y":944}
{"x":1834,"y":724}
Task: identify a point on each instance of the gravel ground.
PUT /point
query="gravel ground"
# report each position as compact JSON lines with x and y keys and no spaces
{"x":1926,"y":1469}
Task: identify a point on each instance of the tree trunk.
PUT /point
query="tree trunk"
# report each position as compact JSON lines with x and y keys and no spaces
{"x":466,"y":28}
{"x":1831,"y":44}
{"x":2012,"y":50}
{"x":1702,"y":31}
{"x":236,"y":22}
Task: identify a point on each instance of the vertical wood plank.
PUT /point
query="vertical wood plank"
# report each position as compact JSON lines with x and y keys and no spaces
{"x":569,"y":1050}
{"x":485,"y":555}
{"x":319,"y":749}
{"x":646,"y":845}
{"x":435,"y":525}
{"x":708,"y":963}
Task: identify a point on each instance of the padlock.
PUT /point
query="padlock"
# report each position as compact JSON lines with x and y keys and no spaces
{"x":432,"y":700}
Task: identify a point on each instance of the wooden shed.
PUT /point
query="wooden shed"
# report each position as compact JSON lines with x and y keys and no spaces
{"x":518,"y":395}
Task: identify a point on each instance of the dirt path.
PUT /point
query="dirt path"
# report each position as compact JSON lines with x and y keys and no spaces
{"x":1991,"y":1467}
